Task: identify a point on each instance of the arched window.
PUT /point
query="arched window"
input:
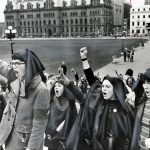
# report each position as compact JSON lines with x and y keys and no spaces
{"x":28,"y":23}
{"x":37,"y":5}
{"x":54,"y":22}
{"x":76,"y":21}
{"x":49,"y":22}
{"x":32,"y":23}
{"x":81,"y":21}
{"x":24,"y":23}
{"x":91,"y":21}
{"x":67,"y":22}
{"x":40,"y":23}
{"x":71,"y":21}
{"x":29,"y":5}
{"x":36,"y":23}
{"x":44,"y":22}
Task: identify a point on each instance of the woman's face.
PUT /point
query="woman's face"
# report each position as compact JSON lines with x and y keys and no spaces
{"x":146,"y":86}
{"x":129,"y":82}
{"x":79,"y":84}
{"x":58,"y":89}
{"x":108,"y":90}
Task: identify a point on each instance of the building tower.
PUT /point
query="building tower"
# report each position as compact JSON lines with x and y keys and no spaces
{"x":147,"y":2}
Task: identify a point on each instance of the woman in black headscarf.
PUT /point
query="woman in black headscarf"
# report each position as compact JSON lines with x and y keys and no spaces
{"x":25,"y":115}
{"x":114,"y":121}
{"x":62,"y":114}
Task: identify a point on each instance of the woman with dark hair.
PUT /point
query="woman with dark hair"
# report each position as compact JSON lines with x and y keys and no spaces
{"x":106,"y":121}
{"x":62,"y":114}
{"x":81,"y":82}
{"x":113,"y":121}
{"x":25,"y":116}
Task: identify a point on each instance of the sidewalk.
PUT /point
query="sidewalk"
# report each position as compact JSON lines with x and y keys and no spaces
{"x":140,"y":64}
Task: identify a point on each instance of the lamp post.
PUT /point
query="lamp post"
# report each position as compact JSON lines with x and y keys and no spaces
{"x":10,"y":34}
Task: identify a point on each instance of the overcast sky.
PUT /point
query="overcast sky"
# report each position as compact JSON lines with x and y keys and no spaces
{"x":3,"y":3}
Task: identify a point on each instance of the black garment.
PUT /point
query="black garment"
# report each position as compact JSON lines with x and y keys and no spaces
{"x":82,"y":130}
{"x":124,"y":55}
{"x":89,"y":76}
{"x":2,"y":106}
{"x":61,"y":109}
{"x":112,"y":128}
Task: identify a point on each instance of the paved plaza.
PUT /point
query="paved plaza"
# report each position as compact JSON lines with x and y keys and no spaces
{"x":140,"y":64}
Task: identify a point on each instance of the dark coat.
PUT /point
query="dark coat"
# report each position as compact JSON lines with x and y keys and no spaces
{"x":61,"y":109}
{"x":91,"y":123}
{"x":83,"y":127}
{"x":137,"y":125}
{"x":2,"y":105}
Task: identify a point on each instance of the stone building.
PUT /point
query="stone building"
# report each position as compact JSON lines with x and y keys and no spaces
{"x":140,"y":20}
{"x":2,"y":26}
{"x":41,"y":18}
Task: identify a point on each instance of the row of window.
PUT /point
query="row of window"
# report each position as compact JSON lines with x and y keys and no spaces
{"x":140,"y":16}
{"x":52,"y":15}
{"x":9,"y":17}
{"x":29,"y":6}
{"x":138,"y":23}
{"x":64,"y":29}
{"x":144,"y":9}
{"x":138,"y":31}
{"x":72,"y":22}
{"x":48,"y":15}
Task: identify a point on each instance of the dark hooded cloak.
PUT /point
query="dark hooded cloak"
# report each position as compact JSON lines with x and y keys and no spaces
{"x":113,"y":116}
{"x":61,"y":109}
{"x":33,"y":65}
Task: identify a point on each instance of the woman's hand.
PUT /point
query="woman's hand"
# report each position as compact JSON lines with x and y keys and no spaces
{"x":83,"y":52}
{"x":63,"y":78}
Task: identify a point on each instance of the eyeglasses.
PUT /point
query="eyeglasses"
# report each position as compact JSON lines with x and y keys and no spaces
{"x":16,"y":64}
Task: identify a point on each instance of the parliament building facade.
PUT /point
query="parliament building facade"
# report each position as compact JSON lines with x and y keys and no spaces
{"x":40,"y":18}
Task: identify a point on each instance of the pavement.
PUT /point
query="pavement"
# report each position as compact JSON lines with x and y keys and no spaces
{"x":140,"y":64}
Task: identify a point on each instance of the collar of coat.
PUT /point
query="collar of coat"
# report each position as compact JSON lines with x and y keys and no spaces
{"x":15,"y":85}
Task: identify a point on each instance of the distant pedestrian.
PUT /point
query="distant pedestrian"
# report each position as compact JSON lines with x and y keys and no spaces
{"x":132,"y":54}
{"x":125,"y":54}
{"x":142,"y":44}
{"x":128,"y":54}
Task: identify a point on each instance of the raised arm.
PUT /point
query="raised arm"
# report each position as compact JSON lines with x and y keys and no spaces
{"x":87,"y":69}
{"x":77,"y":93}
{"x":76,"y":76}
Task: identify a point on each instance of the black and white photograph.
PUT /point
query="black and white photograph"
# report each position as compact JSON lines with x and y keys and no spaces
{"x":74,"y":74}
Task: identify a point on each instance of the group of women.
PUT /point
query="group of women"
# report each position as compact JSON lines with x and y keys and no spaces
{"x":108,"y":116}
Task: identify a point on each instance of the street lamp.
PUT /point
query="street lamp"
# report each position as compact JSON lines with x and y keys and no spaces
{"x":10,"y":34}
